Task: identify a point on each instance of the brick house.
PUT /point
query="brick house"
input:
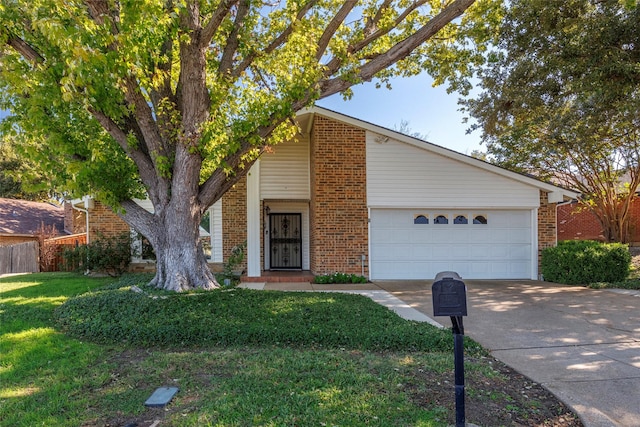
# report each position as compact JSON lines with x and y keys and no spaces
{"x":21,"y":220}
{"x":576,"y":222}
{"x":353,"y":197}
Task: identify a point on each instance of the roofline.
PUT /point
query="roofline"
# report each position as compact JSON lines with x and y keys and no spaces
{"x":559,"y":193}
{"x":33,"y":236}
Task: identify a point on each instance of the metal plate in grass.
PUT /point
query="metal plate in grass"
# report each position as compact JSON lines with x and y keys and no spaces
{"x":161,"y":397}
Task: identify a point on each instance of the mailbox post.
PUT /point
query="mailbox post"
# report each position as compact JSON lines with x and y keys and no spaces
{"x":449,"y":295}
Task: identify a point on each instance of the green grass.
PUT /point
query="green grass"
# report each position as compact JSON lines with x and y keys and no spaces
{"x":324,"y":377}
{"x":40,"y":368}
{"x":245,"y":317}
{"x":239,"y":358}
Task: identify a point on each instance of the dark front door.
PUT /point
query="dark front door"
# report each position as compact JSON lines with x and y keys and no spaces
{"x":286,"y":241}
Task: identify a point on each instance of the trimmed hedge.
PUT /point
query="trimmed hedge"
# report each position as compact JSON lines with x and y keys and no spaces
{"x":339,"y":278}
{"x":578,"y":262}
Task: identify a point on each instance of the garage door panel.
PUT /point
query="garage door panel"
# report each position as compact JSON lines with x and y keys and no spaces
{"x":498,"y":252}
{"x":499,"y":236}
{"x":519,"y":252}
{"x":402,"y":236}
{"x":400,"y":249}
{"x":478,"y":268}
{"x":440,"y":235}
{"x":382,"y":235}
{"x":459,"y":235}
{"x":420,"y":236}
{"x":481,"y":252}
{"x":441,"y":252}
{"x":421,"y":251}
{"x":460,"y":251}
{"x":516,"y":267}
{"x":480,"y":235}
{"x":383,"y":252}
{"x":520,"y":235}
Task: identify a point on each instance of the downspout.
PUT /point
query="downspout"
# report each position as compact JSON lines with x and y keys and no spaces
{"x":86,"y":215}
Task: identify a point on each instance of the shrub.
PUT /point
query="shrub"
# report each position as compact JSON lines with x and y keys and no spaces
{"x":232,"y":269}
{"x":242,"y":317}
{"x":339,"y":278}
{"x":585,"y":261}
{"x":111,"y":255}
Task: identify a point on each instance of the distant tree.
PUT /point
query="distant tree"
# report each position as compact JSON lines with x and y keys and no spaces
{"x":405,"y":128}
{"x":176,"y":99}
{"x":561,"y":100}
{"x":18,"y":178}
{"x":481,"y":155}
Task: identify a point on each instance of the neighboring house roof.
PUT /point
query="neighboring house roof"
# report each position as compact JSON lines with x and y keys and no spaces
{"x":556,"y":193}
{"x":26,"y":218}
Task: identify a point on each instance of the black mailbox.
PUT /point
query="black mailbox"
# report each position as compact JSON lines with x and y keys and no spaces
{"x":449,"y":295}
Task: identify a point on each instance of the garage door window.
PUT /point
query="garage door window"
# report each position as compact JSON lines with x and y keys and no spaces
{"x":441,"y":219}
{"x":480,"y":219}
{"x":421,"y":219}
{"x":460,"y":219}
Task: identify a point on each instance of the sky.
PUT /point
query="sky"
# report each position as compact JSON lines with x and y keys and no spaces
{"x":429,"y":111}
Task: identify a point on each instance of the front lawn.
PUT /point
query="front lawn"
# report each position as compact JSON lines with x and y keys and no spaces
{"x":239,"y":358}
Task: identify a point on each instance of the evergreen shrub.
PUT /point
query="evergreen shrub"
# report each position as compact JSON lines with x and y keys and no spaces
{"x":107,"y":254}
{"x":576,"y":262}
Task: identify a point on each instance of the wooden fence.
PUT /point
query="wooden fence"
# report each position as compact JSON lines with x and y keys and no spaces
{"x":51,"y":255}
{"x":20,"y":258}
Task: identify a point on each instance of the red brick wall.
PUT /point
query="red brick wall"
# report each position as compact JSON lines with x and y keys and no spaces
{"x":103,"y":222}
{"x":338,"y":214}
{"x":576,"y":222}
{"x":234,"y":214}
{"x":74,"y":220}
{"x":546,"y":224}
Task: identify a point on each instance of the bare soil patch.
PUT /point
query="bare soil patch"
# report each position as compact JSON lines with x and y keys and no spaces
{"x":507,"y":398}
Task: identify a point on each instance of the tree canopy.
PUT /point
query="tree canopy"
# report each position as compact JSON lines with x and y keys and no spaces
{"x":560,"y":99}
{"x":176,"y":99}
{"x":20,"y":178}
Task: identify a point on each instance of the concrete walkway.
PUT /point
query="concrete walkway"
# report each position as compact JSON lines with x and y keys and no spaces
{"x":581,"y":344}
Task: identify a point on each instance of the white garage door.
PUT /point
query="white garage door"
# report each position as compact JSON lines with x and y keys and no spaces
{"x":417,"y":244}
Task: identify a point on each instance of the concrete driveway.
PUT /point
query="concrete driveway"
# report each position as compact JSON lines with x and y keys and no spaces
{"x":581,"y":344}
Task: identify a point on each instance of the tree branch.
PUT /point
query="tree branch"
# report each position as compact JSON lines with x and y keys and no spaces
{"x":99,"y":9}
{"x":372,"y":33}
{"x":276,"y":43}
{"x":142,"y":160}
{"x":333,"y":26}
{"x":27,"y":51}
{"x":400,"y":50}
{"x":192,"y":93}
{"x":214,"y":23}
{"x":218,"y":183}
{"x":230,"y":49}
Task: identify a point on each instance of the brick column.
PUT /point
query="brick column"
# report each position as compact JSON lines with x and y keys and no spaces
{"x":234,"y":219}
{"x":338,"y":214}
{"x":546,"y":225}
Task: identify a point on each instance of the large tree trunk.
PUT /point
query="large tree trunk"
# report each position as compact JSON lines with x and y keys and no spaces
{"x":181,"y":266}
{"x":173,"y":231}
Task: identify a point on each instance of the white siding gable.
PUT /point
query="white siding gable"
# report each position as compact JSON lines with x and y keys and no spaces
{"x":404,"y":175}
{"x":284,"y":173}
